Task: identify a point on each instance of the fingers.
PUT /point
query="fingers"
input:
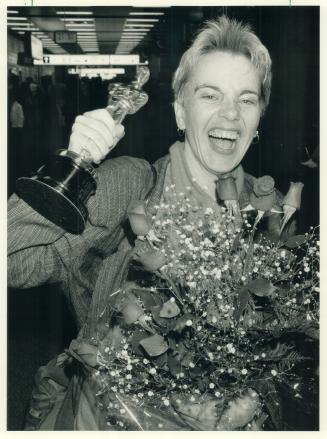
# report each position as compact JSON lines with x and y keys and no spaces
{"x":96,"y":132}
{"x":85,"y":137}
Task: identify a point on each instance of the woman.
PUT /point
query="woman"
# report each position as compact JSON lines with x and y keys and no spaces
{"x":222,"y":88}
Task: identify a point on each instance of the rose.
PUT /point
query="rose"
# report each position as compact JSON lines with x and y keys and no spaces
{"x":84,"y":352}
{"x":291,"y":202}
{"x":138,"y":218}
{"x":151,"y":260}
{"x":226,"y":187}
{"x":264,"y":186}
{"x":263,"y":196}
{"x":293,"y":196}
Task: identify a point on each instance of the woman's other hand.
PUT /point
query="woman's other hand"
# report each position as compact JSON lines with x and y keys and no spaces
{"x":96,"y":133}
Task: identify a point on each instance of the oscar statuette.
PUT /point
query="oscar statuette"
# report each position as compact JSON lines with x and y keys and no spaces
{"x":61,"y":187}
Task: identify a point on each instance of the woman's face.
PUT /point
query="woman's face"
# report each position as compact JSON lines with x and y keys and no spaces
{"x":221,"y":110}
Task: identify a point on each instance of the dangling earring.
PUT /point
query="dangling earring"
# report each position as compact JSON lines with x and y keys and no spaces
{"x":256,"y":138}
{"x":180,"y":132}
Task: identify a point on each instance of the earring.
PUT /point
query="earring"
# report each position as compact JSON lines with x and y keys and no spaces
{"x":180,"y":132}
{"x":256,"y":138}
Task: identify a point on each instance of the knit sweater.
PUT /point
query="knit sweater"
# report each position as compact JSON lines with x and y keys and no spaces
{"x":92,"y":265}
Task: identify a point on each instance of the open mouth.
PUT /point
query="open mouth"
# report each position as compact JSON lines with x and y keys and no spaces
{"x":224,"y":140}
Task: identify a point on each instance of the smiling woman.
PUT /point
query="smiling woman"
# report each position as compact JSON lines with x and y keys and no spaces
{"x":132,"y":365}
{"x":220,"y":114}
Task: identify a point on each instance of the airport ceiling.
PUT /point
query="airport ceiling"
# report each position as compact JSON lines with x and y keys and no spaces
{"x":103,"y":30}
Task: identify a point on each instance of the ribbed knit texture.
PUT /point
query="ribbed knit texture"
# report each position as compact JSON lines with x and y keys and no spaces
{"x":86,"y":265}
{"x":92,"y":265}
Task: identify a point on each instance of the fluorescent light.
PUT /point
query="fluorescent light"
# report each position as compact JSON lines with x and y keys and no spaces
{"x":16,"y":18}
{"x":133,"y":33}
{"x":74,"y":13}
{"x":11,"y":11}
{"x":18,"y":23}
{"x":76,"y":19}
{"x":146,"y":13}
{"x":80,"y":25}
{"x":143,"y":25}
{"x":22,"y":28}
{"x":21,"y":32}
{"x":153,"y":20}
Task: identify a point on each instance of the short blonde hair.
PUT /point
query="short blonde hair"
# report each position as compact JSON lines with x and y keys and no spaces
{"x":229,"y":35}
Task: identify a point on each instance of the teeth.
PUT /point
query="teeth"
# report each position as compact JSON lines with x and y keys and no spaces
{"x":222,"y":134}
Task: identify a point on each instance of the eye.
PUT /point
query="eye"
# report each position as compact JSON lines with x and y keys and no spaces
{"x":248,"y":101}
{"x":210,"y":97}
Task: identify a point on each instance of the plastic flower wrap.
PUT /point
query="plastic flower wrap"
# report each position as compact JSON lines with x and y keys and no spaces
{"x":203,"y":339}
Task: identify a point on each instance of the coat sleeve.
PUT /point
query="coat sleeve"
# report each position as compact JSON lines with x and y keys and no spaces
{"x":40,"y":252}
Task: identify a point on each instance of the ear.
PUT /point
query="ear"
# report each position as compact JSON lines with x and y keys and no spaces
{"x":179,"y":115}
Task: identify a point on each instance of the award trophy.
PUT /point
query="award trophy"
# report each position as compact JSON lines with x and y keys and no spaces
{"x":61,"y":187}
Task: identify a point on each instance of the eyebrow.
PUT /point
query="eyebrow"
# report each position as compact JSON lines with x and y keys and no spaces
{"x":199,"y":87}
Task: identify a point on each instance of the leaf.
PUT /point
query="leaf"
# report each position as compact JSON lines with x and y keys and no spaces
{"x":241,"y":302}
{"x":135,"y":341}
{"x":261,"y":287}
{"x":187,"y":359}
{"x":164,"y":323}
{"x":174,"y":365}
{"x":161,"y":360}
{"x":154,"y":345}
{"x":270,"y":396}
{"x":311,"y":332}
{"x":147,"y":297}
{"x":196,"y":371}
{"x":169,"y":310}
{"x":295,"y":241}
{"x":213,"y":315}
{"x":181,"y":322}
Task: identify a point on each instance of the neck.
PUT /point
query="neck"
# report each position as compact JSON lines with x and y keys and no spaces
{"x":205,"y":179}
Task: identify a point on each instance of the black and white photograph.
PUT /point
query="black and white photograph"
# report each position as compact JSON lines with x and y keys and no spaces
{"x":163,"y":230}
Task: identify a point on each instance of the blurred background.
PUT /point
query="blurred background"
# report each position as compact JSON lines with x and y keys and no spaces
{"x":46,"y":91}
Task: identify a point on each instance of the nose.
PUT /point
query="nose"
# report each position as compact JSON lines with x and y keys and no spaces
{"x":229,"y":110}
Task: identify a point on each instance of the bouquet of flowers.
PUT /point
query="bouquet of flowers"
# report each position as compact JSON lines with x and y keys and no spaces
{"x":208,"y":326}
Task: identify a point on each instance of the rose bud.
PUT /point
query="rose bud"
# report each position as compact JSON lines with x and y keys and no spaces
{"x":151,"y":260}
{"x":264,"y":186}
{"x":132,"y":309}
{"x":291,"y":202}
{"x":263,"y":197}
{"x":138,"y":218}
{"x":226,"y":187}
{"x":293,"y":196}
{"x":85,"y":351}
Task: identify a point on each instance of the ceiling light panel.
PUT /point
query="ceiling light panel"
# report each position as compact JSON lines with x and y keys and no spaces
{"x":17,"y":18}
{"x":74,"y":13}
{"x":23,"y":28}
{"x":75,"y":20}
{"x":11,"y":11}
{"x":148,"y":20}
{"x":144,"y":25}
{"x":146,"y":13}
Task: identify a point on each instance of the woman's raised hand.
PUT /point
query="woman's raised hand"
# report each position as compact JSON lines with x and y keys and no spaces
{"x":95,"y":134}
